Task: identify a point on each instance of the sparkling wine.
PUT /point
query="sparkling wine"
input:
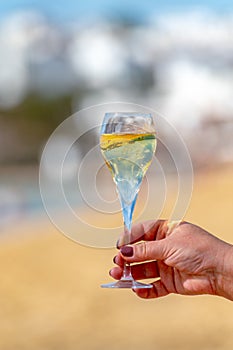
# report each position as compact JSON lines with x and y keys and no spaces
{"x":128,"y":157}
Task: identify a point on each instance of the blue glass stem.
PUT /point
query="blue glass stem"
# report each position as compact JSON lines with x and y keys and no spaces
{"x":127,"y":210}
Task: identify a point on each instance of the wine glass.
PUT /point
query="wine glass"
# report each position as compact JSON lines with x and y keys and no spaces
{"x":127,"y":143}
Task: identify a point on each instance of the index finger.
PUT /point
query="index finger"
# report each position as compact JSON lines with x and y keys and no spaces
{"x":144,"y":231}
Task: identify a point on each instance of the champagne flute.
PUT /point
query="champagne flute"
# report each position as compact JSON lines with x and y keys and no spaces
{"x":127,"y":143}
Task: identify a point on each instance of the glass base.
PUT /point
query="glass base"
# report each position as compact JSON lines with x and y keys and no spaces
{"x":126,"y":283}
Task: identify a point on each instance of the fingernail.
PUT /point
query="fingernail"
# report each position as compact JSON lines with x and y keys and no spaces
{"x":114,"y":259}
{"x":127,"y":251}
{"x":110,"y":272}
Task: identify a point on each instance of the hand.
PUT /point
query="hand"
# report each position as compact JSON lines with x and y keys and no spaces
{"x":187,"y":261}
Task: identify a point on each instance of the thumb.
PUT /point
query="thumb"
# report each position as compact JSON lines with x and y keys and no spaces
{"x":152,"y":250}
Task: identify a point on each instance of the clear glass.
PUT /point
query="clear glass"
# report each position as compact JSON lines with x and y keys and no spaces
{"x":127,"y":143}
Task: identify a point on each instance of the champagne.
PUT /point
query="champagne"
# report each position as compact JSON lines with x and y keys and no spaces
{"x":128,"y":157}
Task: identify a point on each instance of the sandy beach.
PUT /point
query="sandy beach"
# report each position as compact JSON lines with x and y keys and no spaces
{"x":50,"y":295}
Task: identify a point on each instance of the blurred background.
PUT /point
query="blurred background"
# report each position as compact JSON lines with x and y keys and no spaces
{"x":57,"y":58}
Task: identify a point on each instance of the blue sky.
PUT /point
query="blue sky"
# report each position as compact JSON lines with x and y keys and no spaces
{"x":74,"y":9}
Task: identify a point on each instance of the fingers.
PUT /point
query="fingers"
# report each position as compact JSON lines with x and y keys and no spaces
{"x":153,"y":250}
{"x":140,"y":271}
{"x":116,"y":272}
{"x":147,"y":231}
{"x":158,"y":290}
{"x":144,"y":271}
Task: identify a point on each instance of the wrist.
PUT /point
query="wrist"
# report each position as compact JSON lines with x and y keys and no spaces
{"x":224,"y":275}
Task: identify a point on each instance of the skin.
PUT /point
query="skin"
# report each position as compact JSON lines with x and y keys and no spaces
{"x":187,"y":261}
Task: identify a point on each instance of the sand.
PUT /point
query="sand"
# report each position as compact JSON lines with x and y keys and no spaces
{"x":50,"y":295}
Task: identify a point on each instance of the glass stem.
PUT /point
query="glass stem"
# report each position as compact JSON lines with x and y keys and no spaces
{"x":127,"y":210}
{"x":127,"y":272}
